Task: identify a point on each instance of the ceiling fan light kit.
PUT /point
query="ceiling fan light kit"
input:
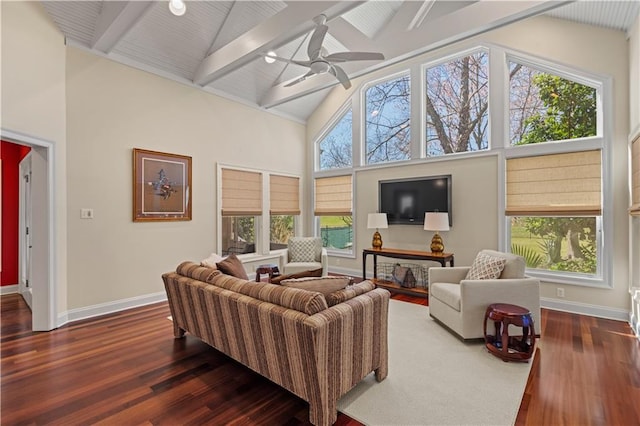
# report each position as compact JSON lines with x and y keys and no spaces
{"x":177,"y":7}
{"x":319,"y":61}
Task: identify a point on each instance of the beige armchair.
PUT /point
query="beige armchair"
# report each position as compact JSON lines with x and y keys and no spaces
{"x":305,"y":254}
{"x":460,"y":304}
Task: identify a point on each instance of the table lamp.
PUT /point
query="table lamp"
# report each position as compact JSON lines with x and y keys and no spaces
{"x":436,"y":221}
{"x":377,"y":220}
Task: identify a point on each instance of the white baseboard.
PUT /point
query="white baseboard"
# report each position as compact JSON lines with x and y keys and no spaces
{"x":555,"y":304}
{"x":110,"y":307}
{"x":8,"y":289}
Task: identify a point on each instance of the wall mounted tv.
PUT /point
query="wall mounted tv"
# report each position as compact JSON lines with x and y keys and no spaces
{"x":405,"y":201}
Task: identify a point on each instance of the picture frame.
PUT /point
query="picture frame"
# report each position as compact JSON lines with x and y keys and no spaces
{"x":161,"y":186}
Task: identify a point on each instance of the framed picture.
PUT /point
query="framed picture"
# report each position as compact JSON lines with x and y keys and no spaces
{"x":161,"y":186}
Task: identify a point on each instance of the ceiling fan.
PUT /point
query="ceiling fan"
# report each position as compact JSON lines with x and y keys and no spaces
{"x":319,"y":62}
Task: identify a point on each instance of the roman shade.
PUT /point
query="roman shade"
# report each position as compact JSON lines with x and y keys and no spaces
{"x":284,"y":195}
{"x":567,"y":184}
{"x":241,"y":193}
{"x":333,"y":196}
{"x":635,"y":177}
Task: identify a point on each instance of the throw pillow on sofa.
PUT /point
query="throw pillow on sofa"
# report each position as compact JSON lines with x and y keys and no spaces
{"x":303,"y":274}
{"x":212,"y":260}
{"x":324,"y":285}
{"x":485,"y":267}
{"x":231,"y":265}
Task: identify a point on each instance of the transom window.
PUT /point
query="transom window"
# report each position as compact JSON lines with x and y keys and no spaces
{"x":456,"y":101}
{"x":387,"y":121}
{"x":544,"y":107}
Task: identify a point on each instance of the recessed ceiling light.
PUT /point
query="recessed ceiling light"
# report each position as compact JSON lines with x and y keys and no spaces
{"x":269,"y":57}
{"x":177,"y":7}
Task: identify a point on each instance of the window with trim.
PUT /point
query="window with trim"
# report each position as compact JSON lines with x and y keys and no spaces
{"x":335,"y":150}
{"x":241,"y":204}
{"x":387,"y":121}
{"x":333,"y":209}
{"x":553,"y":203}
{"x":544,"y":107}
{"x":457,"y":103}
{"x":284,"y":199}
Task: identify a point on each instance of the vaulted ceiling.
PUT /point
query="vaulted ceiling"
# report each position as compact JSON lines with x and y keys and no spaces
{"x":219,"y":46}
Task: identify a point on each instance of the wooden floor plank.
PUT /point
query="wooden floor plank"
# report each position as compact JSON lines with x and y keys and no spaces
{"x":126,"y":368}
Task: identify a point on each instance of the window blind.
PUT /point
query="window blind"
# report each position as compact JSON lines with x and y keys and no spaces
{"x":284,"y":195}
{"x":333,"y":196}
{"x":635,"y":178}
{"x":241,"y":193}
{"x":567,"y":184}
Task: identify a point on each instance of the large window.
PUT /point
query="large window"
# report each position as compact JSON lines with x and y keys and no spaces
{"x":238,"y":235}
{"x":241,"y":203}
{"x":554,"y":205}
{"x":457,"y":100}
{"x":335,"y":150}
{"x":387,"y":121}
{"x":333,"y":207}
{"x":544,"y":107}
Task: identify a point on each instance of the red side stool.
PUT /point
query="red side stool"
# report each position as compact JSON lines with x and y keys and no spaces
{"x":505,"y":347}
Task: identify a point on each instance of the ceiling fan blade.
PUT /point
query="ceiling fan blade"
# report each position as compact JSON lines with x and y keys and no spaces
{"x":340,"y":75}
{"x":299,"y":79}
{"x":354,"y":56}
{"x":315,"y":43}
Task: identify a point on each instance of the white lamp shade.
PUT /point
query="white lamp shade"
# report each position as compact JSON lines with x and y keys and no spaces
{"x":377,"y":220}
{"x":436,"y":221}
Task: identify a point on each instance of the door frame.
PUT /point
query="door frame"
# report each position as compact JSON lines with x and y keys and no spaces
{"x":24,"y":224}
{"x":44,"y":311}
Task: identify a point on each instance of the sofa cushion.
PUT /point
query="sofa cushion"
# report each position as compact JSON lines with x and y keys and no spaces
{"x":231,"y":265}
{"x":303,"y":274}
{"x":514,"y":265}
{"x":305,"y":249}
{"x":212,"y":261}
{"x":196,"y":271}
{"x":324,"y":285}
{"x":447,"y":293}
{"x":349,"y":292}
{"x":486,"y":267}
{"x":307,"y":302}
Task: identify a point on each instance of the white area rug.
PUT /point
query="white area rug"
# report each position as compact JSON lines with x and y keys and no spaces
{"x":436,"y":379}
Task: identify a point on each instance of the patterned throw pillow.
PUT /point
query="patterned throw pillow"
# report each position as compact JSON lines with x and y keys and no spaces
{"x":485,"y":267}
{"x":305,"y":249}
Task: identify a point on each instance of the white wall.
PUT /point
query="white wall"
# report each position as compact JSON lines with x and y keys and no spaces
{"x":112,"y":109}
{"x":595,"y":50}
{"x":33,"y":104}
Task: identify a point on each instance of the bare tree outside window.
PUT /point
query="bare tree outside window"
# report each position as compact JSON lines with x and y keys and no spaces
{"x":457,"y":102}
{"x":335,"y":150}
{"x":388,"y":130}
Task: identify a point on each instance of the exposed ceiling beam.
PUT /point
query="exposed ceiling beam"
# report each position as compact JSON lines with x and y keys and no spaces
{"x":292,"y":22}
{"x":115,"y":20}
{"x":474,"y":19}
{"x":350,"y":37}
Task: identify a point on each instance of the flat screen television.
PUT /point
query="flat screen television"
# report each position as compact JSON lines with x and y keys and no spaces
{"x":405,"y":201}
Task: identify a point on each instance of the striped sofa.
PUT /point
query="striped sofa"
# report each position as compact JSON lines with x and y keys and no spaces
{"x":316,"y":347}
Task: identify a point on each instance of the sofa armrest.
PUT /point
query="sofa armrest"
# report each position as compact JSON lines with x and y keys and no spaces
{"x":454,"y":275}
{"x":324,"y":260}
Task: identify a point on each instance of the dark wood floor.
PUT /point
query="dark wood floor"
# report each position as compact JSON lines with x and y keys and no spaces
{"x":126,"y":368}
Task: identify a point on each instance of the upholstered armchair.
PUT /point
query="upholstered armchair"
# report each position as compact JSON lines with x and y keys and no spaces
{"x":305,"y":254}
{"x":459,"y":303}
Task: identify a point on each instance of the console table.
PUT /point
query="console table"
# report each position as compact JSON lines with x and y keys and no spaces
{"x":441,"y":258}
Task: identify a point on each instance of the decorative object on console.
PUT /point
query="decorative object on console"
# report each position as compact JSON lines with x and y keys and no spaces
{"x":377,"y":221}
{"x":436,"y":222}
{"x":161,"y":186}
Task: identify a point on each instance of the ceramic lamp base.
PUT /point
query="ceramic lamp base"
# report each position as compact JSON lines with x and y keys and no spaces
{"x":377,"y":241}
{"x":437,"y":245}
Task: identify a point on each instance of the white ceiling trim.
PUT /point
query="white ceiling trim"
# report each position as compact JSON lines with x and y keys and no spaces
{"x":115,"y":20}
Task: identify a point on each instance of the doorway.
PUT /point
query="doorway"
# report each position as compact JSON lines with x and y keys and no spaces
{"x":42,"y":268}
{"x":24,"y":229}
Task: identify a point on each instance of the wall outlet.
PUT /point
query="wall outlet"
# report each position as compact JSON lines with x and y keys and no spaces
{"x":86,"y":213}
{"x":560,"y":292}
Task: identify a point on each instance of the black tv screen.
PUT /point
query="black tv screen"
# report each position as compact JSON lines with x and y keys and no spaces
{"x":406,"y":201}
